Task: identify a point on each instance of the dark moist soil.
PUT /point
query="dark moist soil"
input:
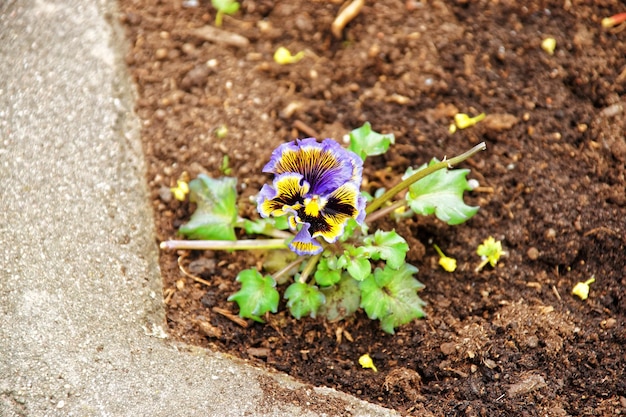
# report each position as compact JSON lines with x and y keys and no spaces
{"x":510,"y":340}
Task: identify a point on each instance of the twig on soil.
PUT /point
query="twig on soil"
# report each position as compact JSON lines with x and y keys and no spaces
{"x":344,"y":17}
{"x":236,"y":319}
{"x":306,"y":129}
{"x":211,"y":34}
{"x":189,"y":274}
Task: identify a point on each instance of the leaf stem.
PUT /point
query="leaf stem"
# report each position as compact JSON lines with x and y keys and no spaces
{"x":446,"y":163}
{"x":384,"y":211}
{"x":310,"y":267}
{"x":248,"y":244}
{"x":286,"y":269}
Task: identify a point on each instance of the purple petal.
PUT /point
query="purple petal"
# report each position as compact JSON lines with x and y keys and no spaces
{"x":304,"y":244}
{"x":325,"y":166}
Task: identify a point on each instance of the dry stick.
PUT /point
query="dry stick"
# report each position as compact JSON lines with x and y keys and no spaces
{"x":189,"y":274}
{"x":446,"y":163}
{"x":344,"y":17}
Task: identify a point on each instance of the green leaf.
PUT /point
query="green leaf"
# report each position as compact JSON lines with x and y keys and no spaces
{"x":350,"y":228}
{"x":342,"y":299}
{"x":216,"y":211}
{"x":365,"y":142}
{"x":389,"y":246}
{"x":303,"y":299}
{"x":226,"y":6}
{"x":356,"y":262}
{"x":441,"y":193}
{"x":257,"y":295}
{"x":265,"y":226}
{"x":327,"y":273}
{"x":390,"y":295}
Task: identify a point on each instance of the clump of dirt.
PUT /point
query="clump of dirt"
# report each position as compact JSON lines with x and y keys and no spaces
{"x":510,"y":340}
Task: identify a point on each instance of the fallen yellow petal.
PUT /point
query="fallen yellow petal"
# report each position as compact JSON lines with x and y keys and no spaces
{"x":447,"y":263}
{"x":581,"y":289}
{"x":282,"y":56}
{"x":548,"y":45}
{"x":181,"y":190}
{"x":366,"y":362}
{"x":463,"y":121}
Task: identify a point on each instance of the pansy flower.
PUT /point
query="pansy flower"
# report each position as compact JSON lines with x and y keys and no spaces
{"x":317,"y":186}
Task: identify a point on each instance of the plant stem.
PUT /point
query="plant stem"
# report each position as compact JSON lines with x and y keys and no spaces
{"x":310,"y":267}
{"x":224,"y":244}
{"x":384,"y":211}
{"x":446,"y":163}
{"x":286,"y":269}
{"x":218,"y":18}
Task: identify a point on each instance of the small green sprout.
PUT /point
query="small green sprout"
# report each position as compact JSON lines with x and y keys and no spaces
{"x":225,"y":168}
{"x":282,"y":56}
{"x":366,"y":362}
{"x":223,"y":7}
{"x":581,"y":289}
{"x":337,"y":265}
{"x":447,"y":263}
{"x":221,"y":132}
{"x":490,"y":252}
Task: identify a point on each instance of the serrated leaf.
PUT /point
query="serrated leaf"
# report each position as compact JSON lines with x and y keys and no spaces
{"x":257,"y":295}
{"x":342,"y":299}
{"x":389,"y":246}
{"x":441,"y":193}
{"x":216,"y":211}
{"x":327,"y":273}
{"x":303,"y":299}
{"x":365,"y":142}
{"x":356,"y":262}
{"x":390,"y":296}
{"x":265,"y":226}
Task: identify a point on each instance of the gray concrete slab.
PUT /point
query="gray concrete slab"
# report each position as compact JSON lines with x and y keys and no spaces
{"x":81,"y":312}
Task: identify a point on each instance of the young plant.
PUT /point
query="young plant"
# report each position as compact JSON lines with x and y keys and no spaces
{"x":223,"y":7}
{"x":340,"y":265}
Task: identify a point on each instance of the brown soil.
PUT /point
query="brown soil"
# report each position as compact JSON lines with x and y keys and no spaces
{"x":511,"y":340}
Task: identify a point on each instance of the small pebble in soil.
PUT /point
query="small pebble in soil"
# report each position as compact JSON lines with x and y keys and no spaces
{"x":532,"y":253}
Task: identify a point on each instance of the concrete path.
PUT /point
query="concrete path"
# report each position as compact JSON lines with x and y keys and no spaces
{"x":81,"y":312}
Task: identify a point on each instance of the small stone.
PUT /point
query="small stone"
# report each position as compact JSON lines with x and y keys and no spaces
{"x":448,"y":348}
{"x":165,"y":194}
{"x":608,"y":323}
{"x":160,"y":53}
{"x":197,"y":77}
{"x":532,"y":253}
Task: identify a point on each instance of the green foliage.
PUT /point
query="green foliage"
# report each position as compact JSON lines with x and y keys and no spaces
{"x":389,"y":246}
{"x":223,"y":7}
{"x":328,"y":271}
{"x":225,"y":168}
{"x":257,"y":295}
{"x":356,"y":262}
{"x":359,"y":270}
{"x":303,"y":299}
{"x":390,"y":295}
{"x":441,"y":193}
{"x":216,"y":211}
{"x":365,"y":142}
{"x":265,"y":226}
{"x":342,"y":299}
